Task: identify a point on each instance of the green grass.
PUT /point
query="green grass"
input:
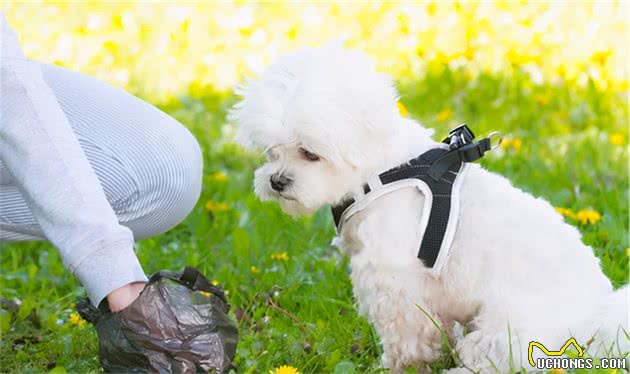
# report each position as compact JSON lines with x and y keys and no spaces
{"x":301,"y":312}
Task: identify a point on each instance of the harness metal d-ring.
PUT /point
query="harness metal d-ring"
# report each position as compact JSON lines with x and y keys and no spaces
{"x":492,"y":135}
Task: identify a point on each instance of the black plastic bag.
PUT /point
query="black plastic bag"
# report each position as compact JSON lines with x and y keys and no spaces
{"x":179,"y":324}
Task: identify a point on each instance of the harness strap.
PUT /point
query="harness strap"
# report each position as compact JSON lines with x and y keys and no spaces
{"x":437,"y":169}
{"x":467,"y":153}
{"x":441,"y":189}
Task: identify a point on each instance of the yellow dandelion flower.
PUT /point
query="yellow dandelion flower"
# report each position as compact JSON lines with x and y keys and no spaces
{"x":589,"y":216}
{"x":511,"y":143}
{"x":292,"y":33}
{"x":284,"y":369}
{"x":542,"y":99}
{"x":442,"y":58}
{"x":218,"y":176}
{"x":469,"y":53}
{"x":563,"y":211}
{"x":616,"y":139}
{"x":444,"y":115}
{"x":215,"y":282}
{"x":566,"y":212}
{"x":402,"y":109}
{"x":117,"y":22}
{"x":76,"y":320}
{"x":516,"y":144}
{"x":212,"y":206}
{"x":557,"y":371}
{"x":111,"y":47}
{"x":206,"y":294}
{"x":254,"y":270}
{"x":284,"y":256}
{"x":601,"y":57}
{"x":516,"y":57}
{"x":561,"y":70}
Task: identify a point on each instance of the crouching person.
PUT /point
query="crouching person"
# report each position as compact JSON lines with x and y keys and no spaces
{"x":91,"y":168}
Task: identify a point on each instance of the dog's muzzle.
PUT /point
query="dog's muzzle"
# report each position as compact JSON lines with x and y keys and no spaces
{"x":279,"y":182}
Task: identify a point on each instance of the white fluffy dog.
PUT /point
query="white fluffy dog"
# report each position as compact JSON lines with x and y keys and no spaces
{"x":515,"y":273}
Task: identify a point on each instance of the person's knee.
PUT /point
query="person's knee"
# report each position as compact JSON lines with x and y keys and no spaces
{"x":149,"y":164}
{"x":173,"y":186}
{"x":183,"y":178}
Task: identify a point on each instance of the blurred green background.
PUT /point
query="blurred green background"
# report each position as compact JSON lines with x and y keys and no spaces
{"x":553,"y":77}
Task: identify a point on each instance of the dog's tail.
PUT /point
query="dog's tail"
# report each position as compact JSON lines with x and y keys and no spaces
{"x":606,"y":333}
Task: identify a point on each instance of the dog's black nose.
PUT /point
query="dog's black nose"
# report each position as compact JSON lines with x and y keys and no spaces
{"x":279,"y":182}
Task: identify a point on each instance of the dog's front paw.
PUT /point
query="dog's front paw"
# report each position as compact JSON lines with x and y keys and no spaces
{"x":408,"y":344}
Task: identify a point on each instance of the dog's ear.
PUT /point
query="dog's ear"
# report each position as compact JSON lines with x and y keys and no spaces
{"x":237,"y":112}
{"x":257,"y":116}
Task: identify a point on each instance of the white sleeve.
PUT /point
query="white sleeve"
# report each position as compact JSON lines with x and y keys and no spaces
{"x":44,"y":158}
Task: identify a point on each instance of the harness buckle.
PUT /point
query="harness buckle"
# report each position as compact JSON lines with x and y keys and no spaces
{"x":459,"y":136}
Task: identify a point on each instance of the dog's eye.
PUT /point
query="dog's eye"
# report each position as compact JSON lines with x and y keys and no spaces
{"x":309,"y":155}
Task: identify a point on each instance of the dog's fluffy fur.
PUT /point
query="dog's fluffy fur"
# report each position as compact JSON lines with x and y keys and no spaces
{"x":515,"y":268}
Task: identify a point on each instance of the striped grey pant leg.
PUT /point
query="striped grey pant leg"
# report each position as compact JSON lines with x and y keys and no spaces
{"x":148,"y":164}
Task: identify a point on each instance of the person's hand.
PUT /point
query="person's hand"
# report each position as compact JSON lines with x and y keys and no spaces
{"x":121,"y":297}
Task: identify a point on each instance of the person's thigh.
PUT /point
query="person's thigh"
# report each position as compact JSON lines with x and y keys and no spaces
{"x":148,"y":164}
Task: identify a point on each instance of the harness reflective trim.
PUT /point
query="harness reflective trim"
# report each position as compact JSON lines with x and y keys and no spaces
{"x":438,"y":174}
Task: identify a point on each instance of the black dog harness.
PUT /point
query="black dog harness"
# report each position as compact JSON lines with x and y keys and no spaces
{"x":438,"y":175}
